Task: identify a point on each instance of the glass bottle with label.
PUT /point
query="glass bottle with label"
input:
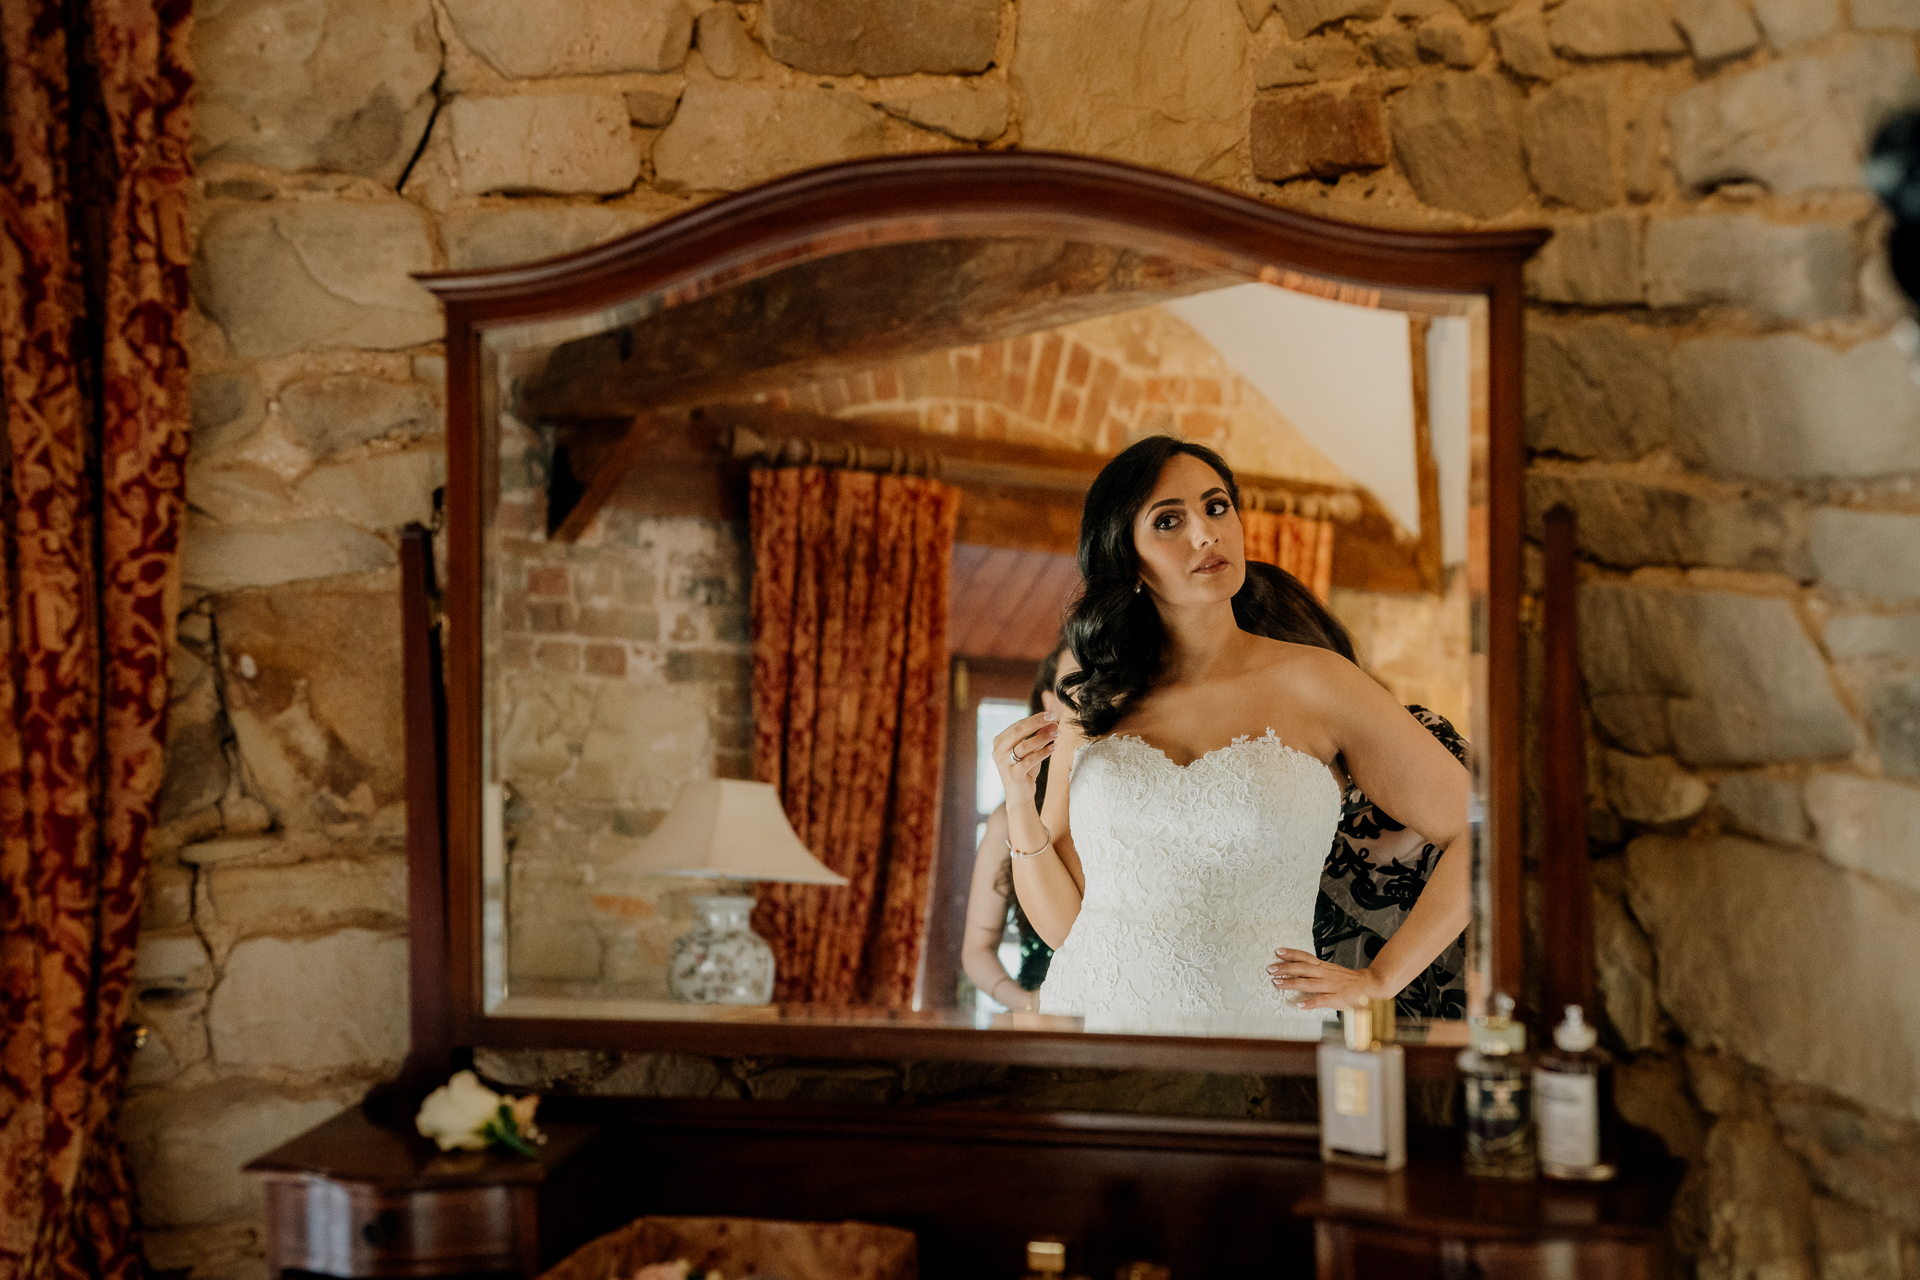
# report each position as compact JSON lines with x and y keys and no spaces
{"x":1572,"y":1104}
{"x":1363,"y":1092}
{"x":1495,"y":1080}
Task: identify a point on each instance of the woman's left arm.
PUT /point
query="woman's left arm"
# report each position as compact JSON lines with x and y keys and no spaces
{"x":1408,"y":773}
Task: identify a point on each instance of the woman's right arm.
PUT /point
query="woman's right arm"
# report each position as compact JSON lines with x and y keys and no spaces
{"x":1049,"y":884}
{"x":987,"y":919}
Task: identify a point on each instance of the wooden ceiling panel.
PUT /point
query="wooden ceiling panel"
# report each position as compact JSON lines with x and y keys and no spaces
{"x":1008,"y":604}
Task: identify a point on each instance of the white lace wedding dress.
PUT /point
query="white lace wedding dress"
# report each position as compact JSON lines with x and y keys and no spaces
{"x":1195,"y":876}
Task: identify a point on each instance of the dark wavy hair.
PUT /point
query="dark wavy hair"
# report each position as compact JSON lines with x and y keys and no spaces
{"x":1115,"y":632}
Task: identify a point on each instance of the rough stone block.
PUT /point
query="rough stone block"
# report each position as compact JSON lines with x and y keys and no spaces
{"x":1571,"y":131}
{"x":574,"y":37}
{"x":1789,"y":22}
{"x":1598,"y":389}
{"x":1592,"y":262}
{"x":174,"y":962}
{"x":1113,"y":87}
{"x":1726,"y":977}
{"x":1868,"y":825}
{"x":239,"y":493}
{"x":168,"y":903}
{"x":342,"y":85}
{"x":1795,"y":272}
{"x":1626,"y":523}
{"x":883,"y":37}
{"x":555,"y":952}
{"x":1762,"y":805}
{"x":1453,"y":43}
{"x":226,"y":409}
{"x":226,"y":557}
{"x":728,"y":137}
{"x":196,"y":757}
{"x":1395,"y":48}
{"x":478,"y":238}
{"x":1717,"y":29}
{"x":382,"y":492}
{"x":187,"y":1146}
{"x":566,"y":143}
{"x":1866,"y":635}
{"x":1872,"y":1159}
{"x":1652,"y":790}
{"x":1643,"y":164}
{"x":273,"y":1009}
{"x":1785,"y":407}
{"x":1623,"y":969}
{"x":313,"y":691}
{"x":1521,"y":37}
{"x":724,"y":44}
{"x":1853,"y":1242}
{"x":971,"y":114}
{"x":310,"y":897}
{"x":1871,"y":14}
{"x":331,"y":414}
{"x":1895,"y":710}
{"x":1310,"y":61}
{"x":1458,"y":140}
{"x":1323,"y":132}
{"x":1742,"y":682}
{"x":1795,"y":125}
{"x":1613,"y":29}
{"x":649,"y":109}
{"x":280,"y":278}
{"x":210,"y":853}
{"x":1868,"y":553}
{"x":1304,"y":17}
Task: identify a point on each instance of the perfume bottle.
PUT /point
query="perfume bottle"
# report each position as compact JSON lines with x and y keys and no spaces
{"x":1494,"y":1072}
{"x":1572,"y":1104}
{"x":1363,"y":1092}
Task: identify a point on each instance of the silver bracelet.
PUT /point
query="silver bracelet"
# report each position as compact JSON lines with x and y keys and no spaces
{"x":1015,"y":853}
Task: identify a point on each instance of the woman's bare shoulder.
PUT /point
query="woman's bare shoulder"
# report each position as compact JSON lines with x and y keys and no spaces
{"x":1305,"y":668}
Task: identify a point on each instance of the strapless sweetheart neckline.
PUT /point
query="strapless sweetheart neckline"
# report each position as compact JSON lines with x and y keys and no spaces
{"x":1241,"y":741}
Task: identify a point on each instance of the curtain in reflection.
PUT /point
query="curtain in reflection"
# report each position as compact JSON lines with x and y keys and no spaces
{"x":94,"y":258}
{"x":1304,"y":548}
{"x":850,"y":584}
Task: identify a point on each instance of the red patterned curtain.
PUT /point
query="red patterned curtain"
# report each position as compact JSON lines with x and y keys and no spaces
{"x":93,"y":387}
{"x":850,"y":584}
{"x":1304,"y":548}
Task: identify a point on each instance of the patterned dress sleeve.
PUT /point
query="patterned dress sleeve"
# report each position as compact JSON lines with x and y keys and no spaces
{"x":1374,"y":874}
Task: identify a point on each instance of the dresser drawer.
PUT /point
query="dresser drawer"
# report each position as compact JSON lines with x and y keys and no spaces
{"x":343,"y":1229}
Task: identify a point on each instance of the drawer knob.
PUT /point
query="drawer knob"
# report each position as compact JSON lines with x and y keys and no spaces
{"x":382,"y":1230}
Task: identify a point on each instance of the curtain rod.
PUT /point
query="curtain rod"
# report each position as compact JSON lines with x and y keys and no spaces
{"x":748,"y":445}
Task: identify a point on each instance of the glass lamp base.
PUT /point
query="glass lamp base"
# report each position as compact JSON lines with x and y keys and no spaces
{"x":721,"y":960}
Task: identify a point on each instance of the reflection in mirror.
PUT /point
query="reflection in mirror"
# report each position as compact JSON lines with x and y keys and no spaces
{"x":818,"y":528}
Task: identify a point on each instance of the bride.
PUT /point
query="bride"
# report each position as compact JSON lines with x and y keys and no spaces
{"x":1179,"y":885}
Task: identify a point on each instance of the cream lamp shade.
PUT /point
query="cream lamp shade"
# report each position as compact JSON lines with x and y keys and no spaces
{"x":721,"y":827}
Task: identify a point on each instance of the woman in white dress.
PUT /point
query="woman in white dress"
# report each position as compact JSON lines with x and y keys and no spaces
{"x":1178,"y":887}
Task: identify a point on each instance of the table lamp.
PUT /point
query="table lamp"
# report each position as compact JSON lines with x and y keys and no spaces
{"x":721,"y":828}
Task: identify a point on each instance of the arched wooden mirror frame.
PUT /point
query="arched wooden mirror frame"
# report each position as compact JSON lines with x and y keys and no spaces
{"x":920,"y":197}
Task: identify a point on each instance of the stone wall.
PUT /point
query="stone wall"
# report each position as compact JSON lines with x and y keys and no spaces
{"x":1712,"y":385}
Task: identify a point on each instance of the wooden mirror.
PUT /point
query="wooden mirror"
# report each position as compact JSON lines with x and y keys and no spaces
{"x":960,"y":341}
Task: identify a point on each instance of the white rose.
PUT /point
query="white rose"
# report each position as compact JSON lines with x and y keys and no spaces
{"x":453,"y":1113}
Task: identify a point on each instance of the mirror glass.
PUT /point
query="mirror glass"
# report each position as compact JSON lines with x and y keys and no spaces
{"x":815,"y":524}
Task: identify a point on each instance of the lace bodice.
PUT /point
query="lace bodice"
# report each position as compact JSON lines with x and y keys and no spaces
{"x":1195,"y":875}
